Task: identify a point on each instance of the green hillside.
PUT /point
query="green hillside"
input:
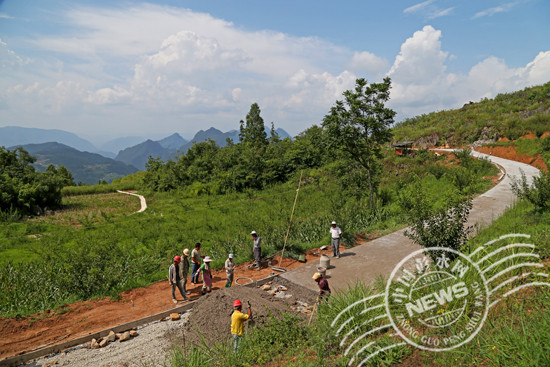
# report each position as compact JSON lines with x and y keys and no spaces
{"x":509,"y":115}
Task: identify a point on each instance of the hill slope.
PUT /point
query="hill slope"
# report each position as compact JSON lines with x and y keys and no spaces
{"x":14,"y":135}
{"x":508,"y":115}
{"x":88,"y":168}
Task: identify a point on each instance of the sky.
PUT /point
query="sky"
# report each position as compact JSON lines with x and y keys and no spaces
{"x":105,"y":69}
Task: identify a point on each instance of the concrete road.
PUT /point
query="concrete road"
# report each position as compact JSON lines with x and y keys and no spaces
{"x":366,"y":262}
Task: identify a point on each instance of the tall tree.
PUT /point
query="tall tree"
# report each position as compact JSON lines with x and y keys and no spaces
{"x":360,"y":125}
{"x":254,"y":130}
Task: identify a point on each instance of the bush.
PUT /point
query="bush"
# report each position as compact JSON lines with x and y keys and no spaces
{"x":538,"y":194}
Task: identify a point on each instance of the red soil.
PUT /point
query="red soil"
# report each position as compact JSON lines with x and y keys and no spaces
{"x":510,"y":152}
{"x":18,"y":336}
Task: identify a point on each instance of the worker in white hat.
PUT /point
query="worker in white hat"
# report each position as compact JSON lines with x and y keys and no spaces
{"x":229,"y":270}
{"x":206,"y":275}
{"x":257,"y":249}
{"x":335,"y":234}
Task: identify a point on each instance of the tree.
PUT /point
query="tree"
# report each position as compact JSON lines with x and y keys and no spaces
{"x":254,"y":130}
{"x":360,"y":125}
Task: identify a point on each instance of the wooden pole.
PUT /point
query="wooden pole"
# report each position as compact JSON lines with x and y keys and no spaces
{"x":291,"y":215}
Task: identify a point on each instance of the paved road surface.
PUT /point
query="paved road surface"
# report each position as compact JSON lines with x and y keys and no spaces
{"x":379,"y":257}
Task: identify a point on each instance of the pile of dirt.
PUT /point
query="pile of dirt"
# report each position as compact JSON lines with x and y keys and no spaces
{"x":211,"y":315}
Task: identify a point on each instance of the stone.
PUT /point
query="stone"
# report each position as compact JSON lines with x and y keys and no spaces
{"x":125,"y":336}
{"x":112,"y":336}
{"x":174,"y":316}
{"x":273,"y":292}
{"x":118,"y":335}
{"x":324,"y":247}
{"x":94,"y":344}
{"x":51,"y":363}
{"x":282,"y":288}
{"x":104,"y":342}
{"x":265,"y":287}
{"x":133,"y":333}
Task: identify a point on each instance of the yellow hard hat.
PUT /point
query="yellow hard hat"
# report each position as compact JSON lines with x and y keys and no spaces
{"x":316,"y":276}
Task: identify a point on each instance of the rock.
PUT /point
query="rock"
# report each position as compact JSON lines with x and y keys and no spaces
{"x":324,"y":247}
{"x":174,"y":316}
{"x":94,"y":344}
{"x":273,"y":292}
{"x":112,"y":336}
{"x":125,"y":336}
{"x":265,"y":287}
{"x":133,"y":333}
{"x":269,"y":282}
{"x":118,"y":335}
{"x":104,"y":342}
{"x":51,"y":363}
{"x":282,"y":288}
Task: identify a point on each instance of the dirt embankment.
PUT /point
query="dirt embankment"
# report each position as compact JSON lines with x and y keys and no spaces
{"x":511,"y":153}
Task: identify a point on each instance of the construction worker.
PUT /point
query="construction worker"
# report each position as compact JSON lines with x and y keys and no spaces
{"x":257,"y":249}
{"x":335,"y":234}
{"x":196,"y":263}
{"x":206,"y":275}
{"x":237,"y":322}
{"x":184,"y":269}
{"x":229,"y":270}
{"x":175,"y":280}
{"x":324,"y":289}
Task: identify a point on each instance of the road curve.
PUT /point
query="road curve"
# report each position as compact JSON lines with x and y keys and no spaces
{"x":366,"y":262}
{"x":141,"y":200}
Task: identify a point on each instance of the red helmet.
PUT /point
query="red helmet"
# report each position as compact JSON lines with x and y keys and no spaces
{"x":237,"y":303}
{"x":177,"y":259}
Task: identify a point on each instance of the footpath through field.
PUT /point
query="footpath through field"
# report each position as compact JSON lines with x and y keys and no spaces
{"x":378,"y":257}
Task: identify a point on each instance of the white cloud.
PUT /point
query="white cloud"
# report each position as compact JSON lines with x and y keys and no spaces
{"x":417,"y":7}
{"x":366,"y":62}
{"x":166,"y":69}
{"x":497,"y":9}
{"x":441,"y":13}
{"x":421,"y":83}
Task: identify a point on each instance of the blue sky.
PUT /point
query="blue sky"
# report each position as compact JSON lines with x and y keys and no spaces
{"x":106,"y":69}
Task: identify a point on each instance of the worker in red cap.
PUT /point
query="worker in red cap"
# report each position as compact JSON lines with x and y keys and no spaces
{"x":174,"y":279}
{"x":237,"y":322}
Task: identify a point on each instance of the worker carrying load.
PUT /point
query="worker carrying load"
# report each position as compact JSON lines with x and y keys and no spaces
{"x":237,"y":322}
{"x":324,"y":289}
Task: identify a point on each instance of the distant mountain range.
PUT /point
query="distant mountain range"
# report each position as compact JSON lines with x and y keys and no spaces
{"x":132,"y":151}
{"x":87,"y":168}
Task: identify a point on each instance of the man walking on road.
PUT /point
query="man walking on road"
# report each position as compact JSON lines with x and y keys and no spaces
{"x":257,"y":249}
{"x":229,"y":270}
{"x":335,"y":234}
{"x":175,"y":280}
{"x":196,"y":262}
{"x":184,"y":269}
{"x":237,"y":322}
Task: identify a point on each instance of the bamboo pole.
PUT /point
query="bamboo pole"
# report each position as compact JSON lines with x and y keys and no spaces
{"x":291,"y":216}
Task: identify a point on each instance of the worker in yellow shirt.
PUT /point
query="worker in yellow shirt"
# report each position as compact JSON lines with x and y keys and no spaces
{"x":237,"y":322}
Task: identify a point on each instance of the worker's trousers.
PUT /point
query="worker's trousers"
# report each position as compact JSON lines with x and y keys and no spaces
{"x":180,"y":287}
{"x":258,"y":256}
{"x":335,"y":242}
